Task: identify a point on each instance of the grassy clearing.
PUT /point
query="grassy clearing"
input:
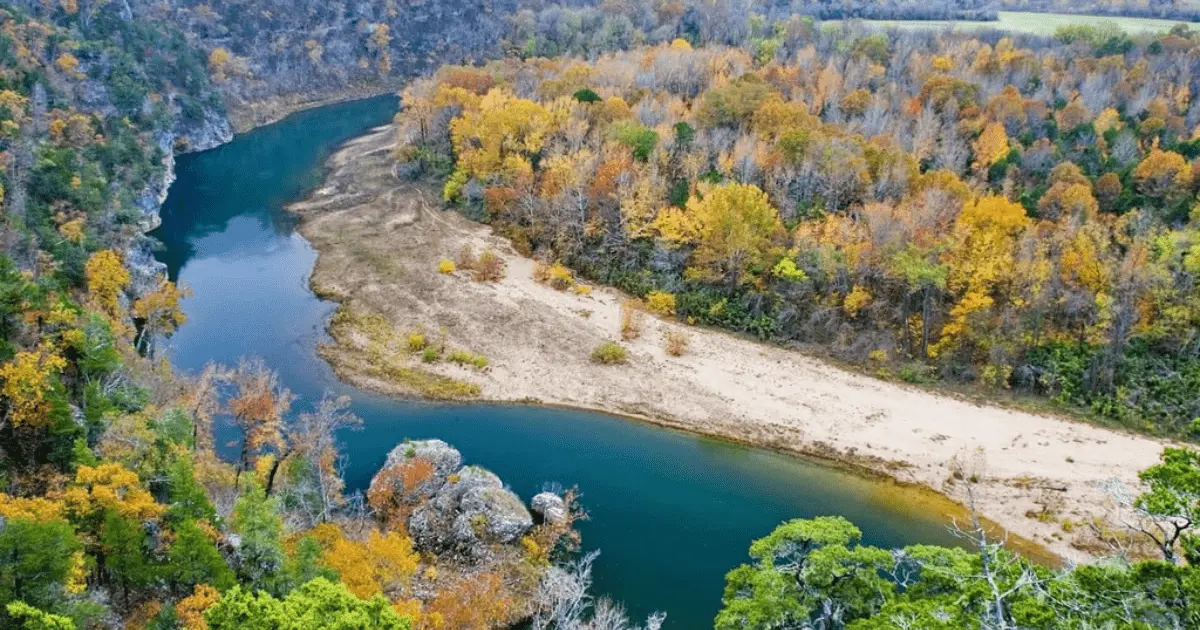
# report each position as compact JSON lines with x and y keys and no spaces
{"x":1038,"y":23}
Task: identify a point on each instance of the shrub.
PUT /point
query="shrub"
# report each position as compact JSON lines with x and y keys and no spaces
{"x":631,"y":319}
{"x":609,"y":353}
{"x":430,"y":355}
{"x":416,"y":341}
{"x":463,"y":357}
{"x":556,"y":275}
{"x":675,"y":342}
{"x":447,"y":266}
{"x":661,"y":303}
{"x":489,"y":267}
{"x":582,"y":289}
{"x":466,"y":257}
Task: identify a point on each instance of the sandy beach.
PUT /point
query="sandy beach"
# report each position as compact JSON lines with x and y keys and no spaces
{"x":380,"y":242}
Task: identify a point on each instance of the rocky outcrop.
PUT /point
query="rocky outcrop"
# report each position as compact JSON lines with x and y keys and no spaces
{"x":550,"y":508}
{"x":459,"y":510}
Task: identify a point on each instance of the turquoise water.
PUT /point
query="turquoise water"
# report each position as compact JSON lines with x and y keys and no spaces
{"x":671,"y":512}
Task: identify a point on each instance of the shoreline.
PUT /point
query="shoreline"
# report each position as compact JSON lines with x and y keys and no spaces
{"x":248,"y":116}
{"x":379,"y":241}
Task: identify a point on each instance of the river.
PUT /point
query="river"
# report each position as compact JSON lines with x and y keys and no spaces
{"x":671,"y":512}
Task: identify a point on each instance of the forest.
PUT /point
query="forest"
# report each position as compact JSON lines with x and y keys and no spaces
{"x":1013,"y":213}
{"x":116,"y":510}
{"x":1004,"y":213}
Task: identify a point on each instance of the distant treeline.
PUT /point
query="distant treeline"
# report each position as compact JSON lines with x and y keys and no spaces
{"x":1167,"y":10}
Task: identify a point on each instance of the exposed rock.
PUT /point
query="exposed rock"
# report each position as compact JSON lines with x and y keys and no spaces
{"x":471,"y":510}
{"x":549,"y":507}
{"x":444,"y":458}
{"x":144,"y":268}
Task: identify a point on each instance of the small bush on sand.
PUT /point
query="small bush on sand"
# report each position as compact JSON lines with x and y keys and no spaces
{"x":430,"y":355}
{"x":466,"y":257}
{"x":416,"y":341}
{"x":447,"y":266}
{"x":675,"y":342}
{"x":464,"y":357}
{"x":661,"y":303}
{"x":609,"y":353}
{"x":555,"y":275}
{"x":582,"y":289}
{"x":631,"y":319}
{"x":489,"y":267}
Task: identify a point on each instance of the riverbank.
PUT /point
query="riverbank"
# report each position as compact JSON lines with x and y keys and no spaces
{"x":247,"y":115}
{"x":380,"y":242}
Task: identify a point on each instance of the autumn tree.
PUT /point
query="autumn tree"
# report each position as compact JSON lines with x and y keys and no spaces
{"x":218,"y":61}
{"x":383,"y":563}
{"x":258,"y":405}
{"x":991,"y":146}
{"x":981,"y":263}
{"x":32,"y":391}
{"x":159,"y":313}
{"x":731,"y":227}
{"x":500,"y":137}
{"x":312,"y":446}
{"x":1162,"y":173}
{"x":106,"y":279}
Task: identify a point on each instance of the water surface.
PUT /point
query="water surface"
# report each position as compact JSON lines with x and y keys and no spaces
{"x":671,"y":512}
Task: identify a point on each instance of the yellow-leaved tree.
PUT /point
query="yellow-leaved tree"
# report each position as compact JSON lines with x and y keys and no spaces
{"x":991,"y":146}
{"x":732,"y":227}
{"x":981,"y":263}
{"x":106,"y":279}
{"x":29,"y":379}
{"x":160,"y":313}
{"x":109,"y":486}
{"x":1162,"y":174}
{"x":499,"y":138}
{"x":383,"y":563}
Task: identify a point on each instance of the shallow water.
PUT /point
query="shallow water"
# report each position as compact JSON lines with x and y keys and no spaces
{"x":671,"y":512}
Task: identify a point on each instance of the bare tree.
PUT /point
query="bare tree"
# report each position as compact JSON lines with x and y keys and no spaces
{"x":562,"y":602}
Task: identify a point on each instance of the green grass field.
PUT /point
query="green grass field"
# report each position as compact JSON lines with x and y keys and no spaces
{"x":1040,"y":23}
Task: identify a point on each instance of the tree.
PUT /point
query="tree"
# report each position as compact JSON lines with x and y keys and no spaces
{"x":190,"y":610}
{"x":108,"y":486}
{"x":160,"y":313}
{"x":218,"y":60}
{"x":30,"y":618}
{"x":258,"y":407}
{"x":312,"y":438}
{"x":734,"y":228}
{"x":126,"y":553}
{"x":991,"y":146}
{"x":36,"y":560}
{"x":809,"y":573}
{"x":1162,"y":173}
{"x":501,"y":136}
{"x":384,"y":563}
{"x":106,"y":279}
{"x":260,"y":554}
{"x":1172,"y":503}
{"x":194,"y":560}
{"x":317,"y":605}
{"x":31,"y":387}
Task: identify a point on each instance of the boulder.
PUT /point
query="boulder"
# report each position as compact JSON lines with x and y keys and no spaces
{"x":470,"y":511}
{"x":444,"y":458}
{"x":550,"y":508}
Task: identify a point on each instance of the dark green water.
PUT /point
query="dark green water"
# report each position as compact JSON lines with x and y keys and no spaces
{"x":671,"y":512}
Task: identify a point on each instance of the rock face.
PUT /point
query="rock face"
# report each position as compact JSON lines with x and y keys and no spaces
{"x":459,"y":510}
{"x":445,"y":460}
{"x":549,"y":507}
